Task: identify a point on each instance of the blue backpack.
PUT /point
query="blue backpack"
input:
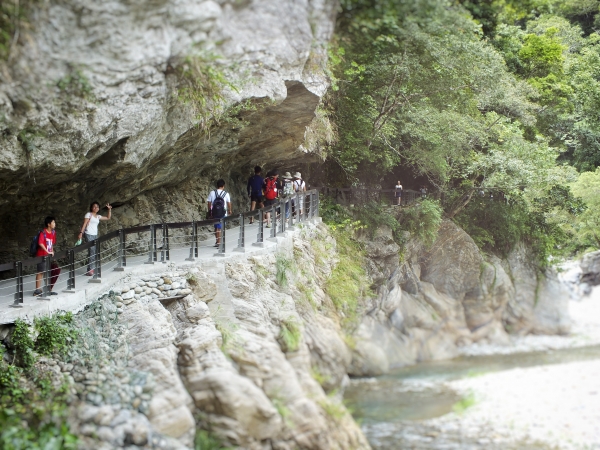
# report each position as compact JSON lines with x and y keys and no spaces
{"x":33,"y":247}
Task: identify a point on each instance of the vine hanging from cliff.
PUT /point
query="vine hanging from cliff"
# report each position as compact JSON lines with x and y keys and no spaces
{"x":202,"y":83}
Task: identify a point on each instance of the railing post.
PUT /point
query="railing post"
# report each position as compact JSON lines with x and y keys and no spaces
{"x":122,"y":262}
{"x":293,"y":204}
{"x":242,"y":237}
{"x":167,"y":243}
{"x":310,"y":205}
{"x":260,"y":235}
{"x":317,"y":203}
{"x":97,"y":278}
{"x":18,"y":303}
{"x":221,"y":251}
{"x":71,"y":278}
{"x":46,"y":278}
{"x":283,"y":216}
{"x":192,"y":253}
{"x":304,"y":208}
{"x":163,"y":249}
{"x":152,"y":246}
{"x":299,"y":208}
{"x":274,"y":221}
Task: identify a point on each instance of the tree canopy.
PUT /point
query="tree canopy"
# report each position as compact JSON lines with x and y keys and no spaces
{"x":472,"y":95}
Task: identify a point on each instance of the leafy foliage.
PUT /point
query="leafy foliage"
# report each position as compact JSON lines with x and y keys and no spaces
{"x":33,"y":402}
{"x":348,"y":283}
{"x":290,"y":334}
{"x":423,"y":220}
{"x":23,"y":344}
{"x":55,"y":333}
{"x":202,"y":82}
{"x":13,"y":22}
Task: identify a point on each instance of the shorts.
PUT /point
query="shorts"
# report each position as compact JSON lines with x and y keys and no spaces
{"x":218,"y":226}
{"x":41,"y":267}
{"x":398,"y":194}
{"x":270,"y":202}
{"x":256,"y":198}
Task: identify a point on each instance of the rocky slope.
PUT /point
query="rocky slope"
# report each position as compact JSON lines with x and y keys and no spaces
{"x":432,"y":301}
{"x":233,"y":347}
{"x":91,"y":105}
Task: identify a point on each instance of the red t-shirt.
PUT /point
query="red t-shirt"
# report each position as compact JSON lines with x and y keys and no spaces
{"x":47,"y":239}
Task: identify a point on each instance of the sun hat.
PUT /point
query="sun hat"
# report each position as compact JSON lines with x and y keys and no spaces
{"x":287,"y":175}
{"x":297,"y":175}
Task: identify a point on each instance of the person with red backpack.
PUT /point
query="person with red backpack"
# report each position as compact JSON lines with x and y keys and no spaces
{"x":271,"y":188}
{"x":46,"y":240}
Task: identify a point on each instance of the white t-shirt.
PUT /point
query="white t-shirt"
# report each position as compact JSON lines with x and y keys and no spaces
{"x":212,"y":196}
{"x":92,"y":226}
{"x":299,"y":185}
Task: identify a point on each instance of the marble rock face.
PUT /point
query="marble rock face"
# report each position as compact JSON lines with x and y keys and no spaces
{"x":434,"y":300}
{"x":91,"y":106}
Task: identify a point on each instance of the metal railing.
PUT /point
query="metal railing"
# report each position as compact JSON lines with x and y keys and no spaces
{"x":357,"y":196}
{"x":111,"y":250}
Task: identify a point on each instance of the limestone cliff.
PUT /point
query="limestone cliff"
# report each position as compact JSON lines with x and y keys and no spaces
{"x":432,"y":301}
{"x":234,"y":346}
{"x":91,"y":105}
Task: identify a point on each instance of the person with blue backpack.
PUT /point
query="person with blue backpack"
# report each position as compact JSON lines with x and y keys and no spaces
{"x":219,"y":206}
{"x":254,"y":187}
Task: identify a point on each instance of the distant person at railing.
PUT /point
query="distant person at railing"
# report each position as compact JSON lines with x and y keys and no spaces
{"x":398,"y":193}
{"x":299,"y":186}
{"x":254,"y":187}
{"x":423,"y":191}
{"x":89,"y":230}
{"x":219,"y":206}
{"x":46,"y":242}
{"x":271,"y":188}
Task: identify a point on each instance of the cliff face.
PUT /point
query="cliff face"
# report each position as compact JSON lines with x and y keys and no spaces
{"x":92,"y":109}
{"x":435,"y":300}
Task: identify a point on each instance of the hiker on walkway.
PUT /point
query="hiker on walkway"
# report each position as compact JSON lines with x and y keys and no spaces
{"x":299,"y":186}
{"x":254,"y":188}
{"x":288,"y":191}
{"x":271,"y":188}
{"x":89,"y":230}
{"x":46,"y":242}
{"x":219,"y":206}
{"x":398,"y":192}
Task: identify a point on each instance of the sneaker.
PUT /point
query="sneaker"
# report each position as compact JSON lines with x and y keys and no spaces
{"x":37,"y":292}
{"x":268,"y":225}
{"x":217,"y":245}
{"x":53,"y":293}
{"x":89,"y":274}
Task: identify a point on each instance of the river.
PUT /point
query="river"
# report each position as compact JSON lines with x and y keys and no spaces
{"x":548,"y":399}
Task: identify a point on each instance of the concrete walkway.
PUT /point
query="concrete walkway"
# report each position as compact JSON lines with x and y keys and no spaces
{"x":86,"y":292}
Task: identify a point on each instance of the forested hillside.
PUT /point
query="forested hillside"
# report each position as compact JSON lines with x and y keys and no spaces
{"x":495,"y":104}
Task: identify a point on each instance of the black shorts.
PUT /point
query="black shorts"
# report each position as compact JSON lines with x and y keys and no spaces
{"x":256,"y":198}
{"x":270,"y":202}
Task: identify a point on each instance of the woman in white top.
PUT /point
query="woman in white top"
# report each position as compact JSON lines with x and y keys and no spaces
{"x":299,"y":186}
{"x":89,"y":230}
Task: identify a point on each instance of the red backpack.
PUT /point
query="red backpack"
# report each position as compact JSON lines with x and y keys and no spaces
{"x":270,"y":188}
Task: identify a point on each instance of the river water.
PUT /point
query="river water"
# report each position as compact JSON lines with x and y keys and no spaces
{"x":416,"y":407}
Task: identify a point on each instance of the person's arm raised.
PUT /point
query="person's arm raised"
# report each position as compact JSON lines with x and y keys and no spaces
{"x":109,"y":212}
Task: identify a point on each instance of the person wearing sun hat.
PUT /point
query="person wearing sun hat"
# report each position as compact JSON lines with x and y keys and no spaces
{"x":288,"y":190}
{"x":299,"y":186}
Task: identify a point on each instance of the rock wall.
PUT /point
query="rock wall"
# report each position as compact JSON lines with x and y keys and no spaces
{"x":90,"y":105}
{"x":432,"y":301}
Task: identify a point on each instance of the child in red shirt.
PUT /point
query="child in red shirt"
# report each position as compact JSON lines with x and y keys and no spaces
{"x":46,"y":241}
